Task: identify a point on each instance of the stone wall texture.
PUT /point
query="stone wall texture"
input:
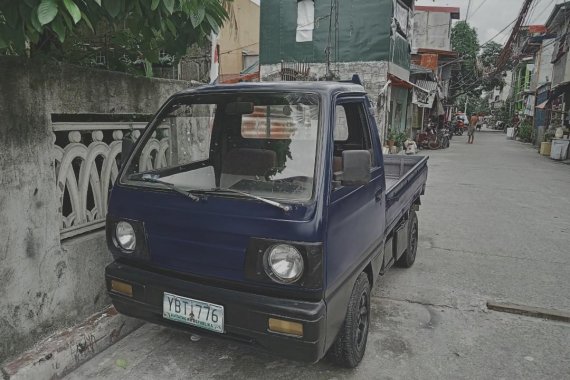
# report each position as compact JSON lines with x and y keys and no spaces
{"x":47,"y":284}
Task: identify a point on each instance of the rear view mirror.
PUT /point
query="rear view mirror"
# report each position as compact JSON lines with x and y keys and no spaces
{"x":356,"y":166}
{"x":239,"y":108}
{"x":127,"y":145}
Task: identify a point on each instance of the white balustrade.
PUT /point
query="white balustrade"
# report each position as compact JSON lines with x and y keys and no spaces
{"x":86,"y":173}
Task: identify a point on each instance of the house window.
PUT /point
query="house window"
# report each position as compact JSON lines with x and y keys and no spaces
{"x":250,"y":60}
{"x":305,"y":20}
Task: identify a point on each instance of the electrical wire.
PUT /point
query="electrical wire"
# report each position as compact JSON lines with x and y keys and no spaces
{"x":499,"y":33}
{"x":468,"y":7}
{"x":476,"y":9}
{"x":555,"y":40}
{"x":507,"y":50}
{"x":239,"y":48}
{"x":530,"y":13}
{"x":544,"y":10}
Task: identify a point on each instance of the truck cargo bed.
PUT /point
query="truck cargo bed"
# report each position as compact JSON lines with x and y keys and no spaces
{"x":406,"y":177}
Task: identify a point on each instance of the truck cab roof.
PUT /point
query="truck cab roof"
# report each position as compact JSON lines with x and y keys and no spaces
{"x":320,"y":87}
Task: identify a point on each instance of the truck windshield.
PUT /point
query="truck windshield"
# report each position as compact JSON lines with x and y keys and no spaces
{"x":263,"y":144}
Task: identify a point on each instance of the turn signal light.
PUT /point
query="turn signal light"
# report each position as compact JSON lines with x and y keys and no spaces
{"x":122,"y":288}
{"x":285,"y":327}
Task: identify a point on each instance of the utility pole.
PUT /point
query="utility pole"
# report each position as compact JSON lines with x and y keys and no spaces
{"x":467,"y":14}
{"x":466,"y":101}
{"x":508,"y":48}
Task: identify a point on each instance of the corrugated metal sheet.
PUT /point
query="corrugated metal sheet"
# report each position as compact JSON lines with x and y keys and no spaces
{"x":427,"y":85}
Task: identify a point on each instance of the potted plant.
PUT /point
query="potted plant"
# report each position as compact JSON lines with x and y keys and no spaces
{"x":400,"y":138}
{"x":391,"y":138}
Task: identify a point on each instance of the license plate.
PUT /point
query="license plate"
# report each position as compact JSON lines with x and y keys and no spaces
{"x":202,"y":314}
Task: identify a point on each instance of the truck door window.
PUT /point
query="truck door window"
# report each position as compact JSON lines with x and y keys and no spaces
{"x":351,"y":132}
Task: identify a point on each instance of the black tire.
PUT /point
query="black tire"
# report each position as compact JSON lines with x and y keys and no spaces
{"x":409,"y":256}
{"x":434,"y":145}
{"x":350,"y":344}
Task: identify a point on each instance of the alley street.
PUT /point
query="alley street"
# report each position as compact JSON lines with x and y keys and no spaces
{"x":494,"y":226}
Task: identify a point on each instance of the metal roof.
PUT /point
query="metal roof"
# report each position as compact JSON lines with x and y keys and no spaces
{"x":427,"y":85}
{"x":417,"y":69}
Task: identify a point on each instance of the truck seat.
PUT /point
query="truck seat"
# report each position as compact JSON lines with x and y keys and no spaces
{"x":337,"y":164}
{"x":246,"y":163}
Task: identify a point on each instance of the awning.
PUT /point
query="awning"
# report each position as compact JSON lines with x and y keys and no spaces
{"x":424,"y":93}
{"x":427,"y":85}
{"x":399,"y":82}
{"x":422,"y":98}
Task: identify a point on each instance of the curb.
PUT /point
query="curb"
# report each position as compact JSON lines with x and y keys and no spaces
{"x":67,"y":349}
{"x":530,"y":311}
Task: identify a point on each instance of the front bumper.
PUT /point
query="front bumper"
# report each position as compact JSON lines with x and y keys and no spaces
{"x":245,"y":314}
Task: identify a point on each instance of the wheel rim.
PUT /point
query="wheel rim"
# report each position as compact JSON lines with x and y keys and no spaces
{"x":362,"y":320}
{"x":413,"y":240}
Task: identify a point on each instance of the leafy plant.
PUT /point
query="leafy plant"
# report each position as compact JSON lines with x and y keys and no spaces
{"x":143,"y":27}
{"x":477,"y":70}
{"x":400,"y":138}
{"x":526,"y":131}
{"x":548,"y":136}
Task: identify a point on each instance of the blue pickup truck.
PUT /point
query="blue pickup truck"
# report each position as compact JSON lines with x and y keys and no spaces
{"x":264,"y":213}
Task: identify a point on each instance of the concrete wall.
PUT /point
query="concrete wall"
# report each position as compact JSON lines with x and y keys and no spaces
{"x":233,"y":43}
{"x":46,"y":284}
{"x":561,"y":70}
{"x":543,"y":68}
{"x":432,"y":30}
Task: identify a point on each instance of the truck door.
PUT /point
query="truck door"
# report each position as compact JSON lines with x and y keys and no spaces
{"x":356,"y":215}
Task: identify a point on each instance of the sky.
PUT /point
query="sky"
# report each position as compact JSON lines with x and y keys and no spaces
{"x":491,"y":16}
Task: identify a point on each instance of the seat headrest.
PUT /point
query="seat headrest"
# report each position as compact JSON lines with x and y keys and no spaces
{"x":249,"y":162}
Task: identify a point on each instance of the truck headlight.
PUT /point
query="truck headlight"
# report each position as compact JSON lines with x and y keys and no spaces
{"x":284,"y":263}
{"x":125,"y":235}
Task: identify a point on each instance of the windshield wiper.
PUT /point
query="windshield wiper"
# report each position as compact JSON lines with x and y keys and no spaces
{"x":155,"y":179}
{"x":283,"y":207}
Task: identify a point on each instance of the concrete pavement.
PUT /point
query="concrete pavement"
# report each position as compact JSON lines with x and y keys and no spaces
{"x":494,"y":225}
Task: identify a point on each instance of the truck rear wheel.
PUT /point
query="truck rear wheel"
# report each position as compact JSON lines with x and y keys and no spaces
{"x":409,"y":256}
{"x":350,"y":344}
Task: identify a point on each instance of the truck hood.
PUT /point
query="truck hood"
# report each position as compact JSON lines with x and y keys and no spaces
{"x":209,"y":238}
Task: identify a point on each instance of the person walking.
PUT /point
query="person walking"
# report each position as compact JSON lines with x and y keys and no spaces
{"x":471,"y":130}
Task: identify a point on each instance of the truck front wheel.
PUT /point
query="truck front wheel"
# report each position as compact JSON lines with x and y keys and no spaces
{"x":409,"y":256}
{"x":350,"y":344}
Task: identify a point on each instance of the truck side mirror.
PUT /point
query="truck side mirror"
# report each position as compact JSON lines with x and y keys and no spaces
{"x":127,"y":145}
{"x":356,"y":166}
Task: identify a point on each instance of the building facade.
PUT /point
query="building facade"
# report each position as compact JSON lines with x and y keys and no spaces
{"x":239,"y":46}
{"x":558,"y":24}
{"x":313,"y":40}
{"x":432,"y":50}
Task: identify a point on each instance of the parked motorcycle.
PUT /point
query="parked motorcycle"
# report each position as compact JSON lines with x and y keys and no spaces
{"x":433,"y":138}
{"x":450,"y":129}
{"x":445,"y":137}
{"x":459,"y":128}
